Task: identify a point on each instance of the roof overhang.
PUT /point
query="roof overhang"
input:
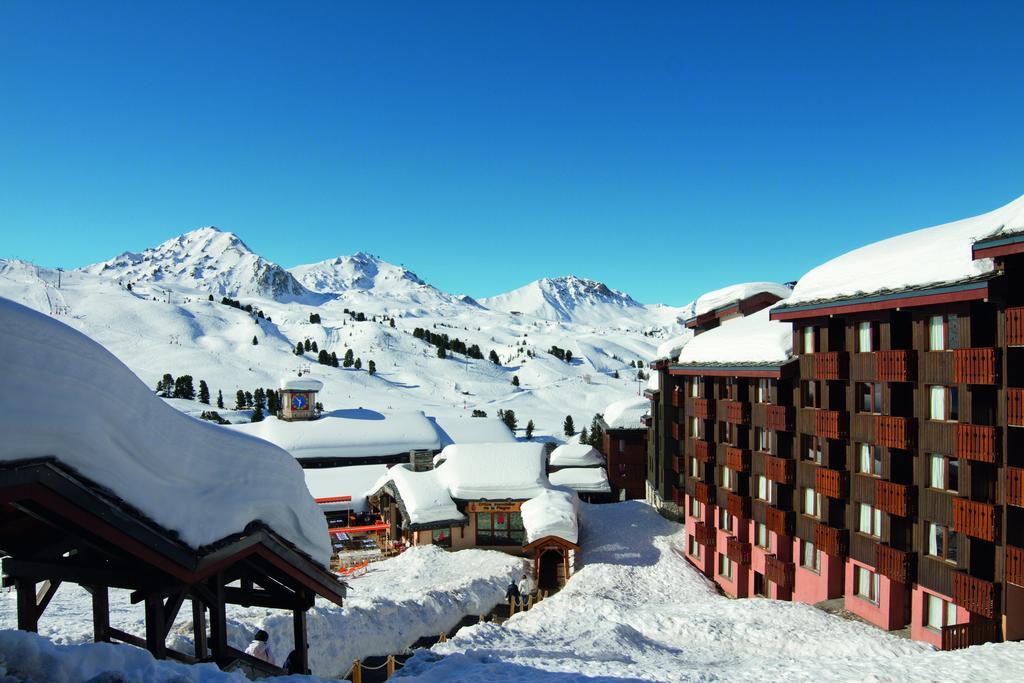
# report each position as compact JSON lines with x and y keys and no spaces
{"x":964,"y":291}
{"x":551,"y":540}
{"x":998,"y":246}
{"x":772,"y":371}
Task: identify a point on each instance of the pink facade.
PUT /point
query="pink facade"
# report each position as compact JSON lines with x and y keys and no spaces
{"x":705,"y":562}
{"x":736,"y":586}
{"x":918,"y":629}
{"x":814,"y":587}
{"x":888,"y":611}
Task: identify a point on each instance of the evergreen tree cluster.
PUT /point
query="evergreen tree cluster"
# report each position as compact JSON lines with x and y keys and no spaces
{"x":596,"y":436}
{"x":358,"y":316}
{"x":248,"y":308}
{"x":561,"y":354}
{"x":509,"y":418}
{"x":262,"y":402}
{"x":445,"y":343}
{"x":314,"y":318}
{"x":182,"y":387}
{"x":479,"y":413}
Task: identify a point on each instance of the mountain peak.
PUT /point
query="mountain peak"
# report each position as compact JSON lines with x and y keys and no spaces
{"x":360,"y":271}
{"x":568,"y":298}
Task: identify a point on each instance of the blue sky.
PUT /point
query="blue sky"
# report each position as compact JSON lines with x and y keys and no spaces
{"x":665,"y":149}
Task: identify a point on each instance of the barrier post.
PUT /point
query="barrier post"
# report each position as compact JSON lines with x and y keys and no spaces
{"x":443,"y":638}
{"x":357,"y":672}
{"x":391,"y":666}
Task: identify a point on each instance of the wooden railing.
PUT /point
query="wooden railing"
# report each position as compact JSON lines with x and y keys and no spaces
{"x":832,"y":541}
{"x":831,"y":424}
{"x":677,"y":398}
{"x":1015,"y":565}
{"x":703,"y":408}
{"x":894,"y":366}
{"x":702,"y":450}
{"x":895,"y":432}
{"x":679,"y":495}
{"x":975,"y":519}
{"x":677,"y":431}
{"x":977,"y":442}
{"x":738,"y":506}
{"x":779,"y":521}
{"x":894,"y":499}
{"x":975,"y":366}
{"x":1015,"y":486}
{"x":959,"y":636}
{"x":704,"y":534}
{"x":737,"y":459}
{"x":832,"y":483}
{"x":778,"y":418}
{"x":736,"y":412}
{"x":1015,"y":326}
{"x":737,"y":551}
{"x":780,"y":470}
{"x":704,"y":493}
{"x":830,"y":365}
{"x":975,"y":595}
{"x":896,"y":565}
{"x":1015,"y":407}
{"x":779,"y":572}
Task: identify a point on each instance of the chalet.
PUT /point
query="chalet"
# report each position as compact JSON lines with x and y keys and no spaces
{"x":581,"y":468}
{"x":625,"y":446}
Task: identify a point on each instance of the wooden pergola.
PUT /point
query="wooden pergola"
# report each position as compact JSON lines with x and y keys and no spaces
{"x":56,"y":526}
{"x":551,"y":543}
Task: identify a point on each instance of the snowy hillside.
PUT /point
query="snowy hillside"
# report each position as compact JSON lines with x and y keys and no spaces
{"x":567,"y":299}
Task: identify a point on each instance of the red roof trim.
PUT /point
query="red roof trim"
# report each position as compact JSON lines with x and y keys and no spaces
{"x":995,"y":252}
{"x":899,"y":302}
{"x":725,"y":372}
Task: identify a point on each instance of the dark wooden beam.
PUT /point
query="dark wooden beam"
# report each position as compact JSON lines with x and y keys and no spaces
{"x":199,"y":627}
{"x":28,"y":615}
{"x":156,"y":636}
{"x":171,"y":609}
{"x":100,"y":614}
{"x":118,"y":634}
{"x":218,"y":621}
{"x":301,"y":661}
{"x":254,"y":598}
{"x":71,"y":571}
{"x":45,"y":594}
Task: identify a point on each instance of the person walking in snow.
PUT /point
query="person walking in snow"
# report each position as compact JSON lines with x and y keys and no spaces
{"x":525,"y":586}
{"x":260,"y":648}
{"x":512,"y":594}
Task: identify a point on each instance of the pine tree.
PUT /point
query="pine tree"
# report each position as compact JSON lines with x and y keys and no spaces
{"x":298,"y":349}
{"x":515,"y":380}
{"x":584,"y":438}
{"x":392,"y":322}
{"x":259,"y":398}
{"x":596,"y":432}
{"x":568,"y":356}
{"x":615,"y":374}
{"x":220,"y":399}
{"x":529,"y":430}
{"x":312,"y":347}
{"x":248,"y":400}
{"x":358,"y":364}
{"x":323,"y":358}
{"x":255,"y":341}
{"x":334,"y":359}
{"x":493,"y":357}
{"x":371,"y":368}
{"x":441,"y":353}
{"x":307,"y":345}
{"x":167,"y":385}
{"x":183,"y":388}
{"x":257,"y":413}
{"x":204,"y":392}
{"x":350,"y":358}
{"x":509,"y":418}
{"x":239,"y":400}
{"x":273,"y":402}
{"x":568,"y":427}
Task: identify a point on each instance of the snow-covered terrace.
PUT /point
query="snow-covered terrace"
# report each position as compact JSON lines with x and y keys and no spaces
{"x":754,"y":340}
{"x":575,"y":455}
{"x":627,"y":413}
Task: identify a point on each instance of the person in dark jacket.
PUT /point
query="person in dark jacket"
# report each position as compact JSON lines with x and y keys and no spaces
{"x":512,"y":593}
{"x":291,"y":663}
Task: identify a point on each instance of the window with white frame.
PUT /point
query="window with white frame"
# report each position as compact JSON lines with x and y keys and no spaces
{"x":762,"y":537}
{"x":692,"y":546}
{"x":810,"y":557}
{"x":941,"y":542}
{"x":870,"y":521}
{"x":869,"y":397}
{"x":867,"y":584}
{"x":765,"y":489}
{"x":812,"y":503}
{"x":724,"y":566}
{"x":943,"y":473}
{"x":943,"y":333}
{"x":695,"y":467}
{"x":694,"y":427}
{"x":869,"y":459}
{"x":811,"y":395}
{"x":762,"y":440}
{"x":867,"y":333}
{"x":813,"y":449}
{"x":764,"y":390}
{"x":943,"y":403}
{"x":938,"y":612}
{"x":809,"y":340}
{"x":724,"y":519}
{"x":695,"y":508}
{"x":695,"y":387}
{"x":727,"y":477}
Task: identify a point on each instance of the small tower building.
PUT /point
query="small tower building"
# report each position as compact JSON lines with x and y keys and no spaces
{"x":298,"y":398}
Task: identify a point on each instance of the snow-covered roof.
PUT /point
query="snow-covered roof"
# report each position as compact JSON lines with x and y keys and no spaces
{"x":670,"y":348}
{"x":349,"y":433}
{"x":626,"y":414}
{"x":575,"y":455}
{"x":928,"y":257}
{"x":300,"y":384}
{"x":582,"y":479}
{"x":734,"y":293}
{"x":332,"y":482}
{"x":425,"y":495}
{"x":754,"y":339}
{"x":456,"y":429}
{"x":554,"y":512}
{"x":94,"y":415}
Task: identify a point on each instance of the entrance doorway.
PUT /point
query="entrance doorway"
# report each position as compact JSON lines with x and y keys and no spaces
{"x":551,"y":570}
{"x":760,"y":588}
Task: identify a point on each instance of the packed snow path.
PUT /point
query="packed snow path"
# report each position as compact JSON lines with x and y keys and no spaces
{"x":637,"y":610}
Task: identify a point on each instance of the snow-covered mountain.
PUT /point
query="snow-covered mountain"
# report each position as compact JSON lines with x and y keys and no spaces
{"x":208,"y":260}
{"x":567,"y":299}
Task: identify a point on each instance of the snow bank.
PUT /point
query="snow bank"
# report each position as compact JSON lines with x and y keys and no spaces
{"x":931,"y":256}
{"x":734,"y":293}
{"x":582,"y":479}
{"x":575,"y":455}
{"x":626,"y":414}
{"x":752,"y":339}
{"x":66,"y":396}
{"x":552,"y":513}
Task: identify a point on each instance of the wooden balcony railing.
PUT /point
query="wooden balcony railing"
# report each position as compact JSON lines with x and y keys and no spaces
{"x":778,"y":418}
{"x":832,"y":541}
{"x":1015,"y":486}
{"x":679,"y":495}
{"x":704,"y":493}
{"x":736,"y":412}
{"x":959,"y":636}
{"x":979,"y":520}
{"x":894,"y":499}
{"x":894,"y":366}
{"x":738,"y":506}
{"x":977,"y":442}
{"x":702,"y":450}
{"x":677,"y":431}
{"x":778,"y":521}
{"x":737,"y":459}
{"x":704,"y":534}
{"x":1015,"y":326}
{"x":737,"y":551}
{"x":779,"y":470}
{"x":1015,"y":565}
{"x":703,"y":408}
{"x":896,"y":565}
{"x":677,"y":398}
{"x":832,"y":483}
{"x":975,"y":595}
{"x":646,"y":420}
{"x":895,"y":432}
{"x":679,"y":464}
{"x":975,"y":366}
{"x":779,"y":572}
{"x":1015,"y":407}
{"x":831,"y":365}
{"x":831,"y":424}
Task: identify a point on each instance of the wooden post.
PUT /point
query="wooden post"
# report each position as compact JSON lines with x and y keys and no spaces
{"x":100,"y":614}
{"x":443,"y":638}
{"x":156,"y":636}
{"x":28,"y":615}
{"x":357,"y":672}
{"x":199,"y":627}
{"x":301,"y":644}
{"x":218,"y":622}
{"x":391,"y":666}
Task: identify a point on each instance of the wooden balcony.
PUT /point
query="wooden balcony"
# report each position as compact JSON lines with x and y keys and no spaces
{"x":677,"y":398}
{"x":646,"y":420}
{"x":831,"y":424}
{"x":778,"y":418}
{"x":832,"y":483}
{"x":831,"y":365}
{"x":679,"y":464}
{"x":736,"y":412}
{"x":895,"y":499}
{"x":737,"y":551}
{"x":975,"y":366}
{"x":738,"y":506}
{"x":703,"y":408}
{"x":737,"y":459}
{"x":977,"y":442}
{"x":894,"y":366}
{"x":702,"y":450}
{"x":895,"y":432}
{"x":779,"y":572}
{"x":832,"y":541}
{"x":704,"y":534}
{"x":1015,"y":486}
{"x":778,"y":521}
{"x":959,"y":636}
{"x":1015,"y":565}
{"x":1015,"y":407}
{"x":975,"y":595}
{"x":1015,"y":326}
{"x":896,"y":565}
{"x":704,"y":493}
{"x":679,"y":495}
{"x":779,"y":470}
{"x":978,"y":520}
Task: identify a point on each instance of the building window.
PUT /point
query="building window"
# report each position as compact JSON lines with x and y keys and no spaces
{"x":441,"y":537}
{"x":695,"y":468}
{"x":765,"y":489}
{"x":938,"y":612}
{"x":870,"y":521}
{"x":762,"y":537}
{"x":763,"y":440}
{"x":695,"y":508}
{"x":727,"y":478}
{"x":869,"y":459}
{"x":692,"y":546}
{"x":695,"y":387}
{"x":499,"y":528}
{"x":695,"y":428}
{"x":868,"y":584}
{"x":724,"y":520}
{"x":943,"y":403}
{"x":810,"y":340}
{"x":943,"y":473}
{"x":813,"y":448}
{"x":810,"y":557}
{"x":724,"y":566}
{"x":764,"y":390}
{"x":812,"y":503}
{"x":869,"y":397}
{"x":731,"y":388}
{"x":867,"y":337}
{"x":943,"y":333}
{"x":941,"y":542}
{"x":811,"y":395}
